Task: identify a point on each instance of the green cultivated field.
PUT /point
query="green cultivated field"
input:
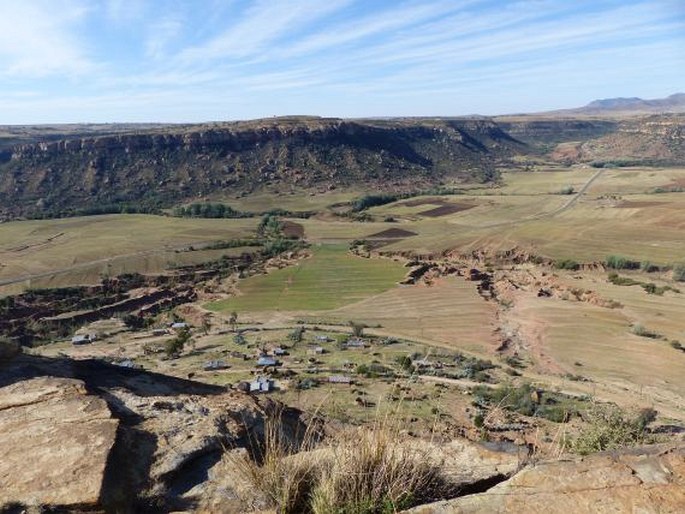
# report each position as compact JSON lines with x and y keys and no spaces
{"x":330,"y":278}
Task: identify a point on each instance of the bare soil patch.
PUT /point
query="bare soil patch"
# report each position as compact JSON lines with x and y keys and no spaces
{"x":447,"y":209}
{"x":392,"y":233}
{"x":628,"y":204}
{"x":292,"y":229}
{"x":424,"y":201}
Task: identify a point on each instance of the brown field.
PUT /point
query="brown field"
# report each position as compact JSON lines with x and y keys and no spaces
{"x":423,"y":201}
{"x":446,"y":209}
{"x":292,"y":229}
{"x":392,"y":233}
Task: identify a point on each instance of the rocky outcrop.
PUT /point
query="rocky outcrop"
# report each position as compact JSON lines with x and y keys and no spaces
{"x":95,"y":437}
{"x":649,"y":479}
{"x":55,"y":444}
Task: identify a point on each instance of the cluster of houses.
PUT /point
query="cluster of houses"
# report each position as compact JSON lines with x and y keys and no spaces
{"x":266,"y":362}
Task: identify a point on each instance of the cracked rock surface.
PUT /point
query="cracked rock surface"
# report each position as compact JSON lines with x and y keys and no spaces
{"x":648,"y":479}
{"x":55,"y":442}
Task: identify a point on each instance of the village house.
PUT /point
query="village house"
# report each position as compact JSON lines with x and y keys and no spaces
{"x":261,"y":385}
{"x":339,"y":379}
{"x":215,"y":365}
{"x":354,"y":342}
{"x":127,"y":363}
{"x":265,"y":361}
{"x":159,"y":331}
{"x":80,"y":339}
{"x":179,"y":325}
{"x":322,"y":339}
{"x":317,"y":350}
{"x":278,"y":351}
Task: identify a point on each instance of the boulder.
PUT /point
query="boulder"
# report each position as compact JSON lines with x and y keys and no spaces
{"x":647,"y":479}
{"x":55,"y":443}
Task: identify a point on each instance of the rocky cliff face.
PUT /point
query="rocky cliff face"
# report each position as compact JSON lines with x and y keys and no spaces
{"x":160,"y":168}
{"x":543,"y":134}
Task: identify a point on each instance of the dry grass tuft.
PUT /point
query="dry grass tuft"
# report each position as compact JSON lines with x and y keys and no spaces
{"x":374,"y":471}
{"x":364,"y":471}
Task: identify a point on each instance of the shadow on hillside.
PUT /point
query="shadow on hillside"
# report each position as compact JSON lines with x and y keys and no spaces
{"x":98,"y":375}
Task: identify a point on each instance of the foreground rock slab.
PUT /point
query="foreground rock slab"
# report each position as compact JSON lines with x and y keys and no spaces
{"x":648,"y":479}
{"x":55,"y":443}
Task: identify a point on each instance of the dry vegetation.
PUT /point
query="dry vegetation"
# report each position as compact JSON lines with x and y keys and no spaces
{"x":364,"y":471}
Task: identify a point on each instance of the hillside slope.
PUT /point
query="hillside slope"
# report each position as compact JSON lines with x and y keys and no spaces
{"x":164,"y":167}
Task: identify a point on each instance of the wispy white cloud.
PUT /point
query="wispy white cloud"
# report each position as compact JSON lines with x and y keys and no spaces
{"x":246,"y":58}
{"x":160,"y":34}
{"x":390,"y":20}
{"x":263,"y":23}
{"x":38,"y":38}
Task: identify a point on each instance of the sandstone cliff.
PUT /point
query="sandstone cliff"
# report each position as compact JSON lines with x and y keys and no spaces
{"x":159,"y":168}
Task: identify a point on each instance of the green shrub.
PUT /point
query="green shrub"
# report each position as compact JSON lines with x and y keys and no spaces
{"x":296,"y":335}
{"x":641,"y":331}
{"x":405,"y":362}
{"x":620,"y":262}
{"x":569,"y":264}
{"x":608,"y":428}
{"x":679,"y":272}
{"x":368,"y":201}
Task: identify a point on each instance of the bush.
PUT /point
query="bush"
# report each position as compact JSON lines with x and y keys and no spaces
{"x":365,"y":202}
{"x":609,"y":429}
{"x":405,"y":362}
{"x":569,"y":264}
{"x":357,"y":329}
{"x":209,"y":210}
{"x":620,"y":262}
{"x":679,"y":272}
{"x":641,"y":331}
{"x":175,"y":346}
{"x":296,"y":335}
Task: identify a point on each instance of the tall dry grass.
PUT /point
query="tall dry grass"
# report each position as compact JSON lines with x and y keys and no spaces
{"x":367,"y":470}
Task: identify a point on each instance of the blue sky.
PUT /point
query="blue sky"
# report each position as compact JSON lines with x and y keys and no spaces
{"x":186,"y":61}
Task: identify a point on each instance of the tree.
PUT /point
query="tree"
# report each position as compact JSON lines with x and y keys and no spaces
{"x":357,"y":329}
{"x":206,"y":324}
{"x":175,"y":346}
{"x":233,"y":321}
{"x":296,"y":335}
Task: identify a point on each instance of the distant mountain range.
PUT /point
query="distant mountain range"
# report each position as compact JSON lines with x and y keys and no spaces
{"x":671,"y":104}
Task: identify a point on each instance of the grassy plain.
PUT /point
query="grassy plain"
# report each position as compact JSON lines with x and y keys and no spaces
{"x":80,"y":250}
{"x":331,"y":277}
